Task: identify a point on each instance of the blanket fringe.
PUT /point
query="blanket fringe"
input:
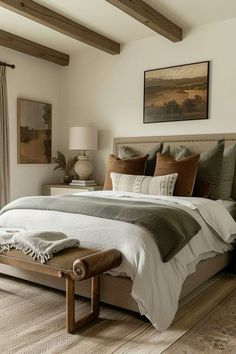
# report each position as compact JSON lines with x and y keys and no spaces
{"x":37,"y":256}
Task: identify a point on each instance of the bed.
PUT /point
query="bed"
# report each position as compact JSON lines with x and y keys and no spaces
{"x":116,"y":288}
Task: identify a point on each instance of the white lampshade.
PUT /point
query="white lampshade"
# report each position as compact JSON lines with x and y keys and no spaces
{"x":83,"y":138}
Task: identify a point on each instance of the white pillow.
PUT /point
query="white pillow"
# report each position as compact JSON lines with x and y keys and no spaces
{"x":159,"y":185}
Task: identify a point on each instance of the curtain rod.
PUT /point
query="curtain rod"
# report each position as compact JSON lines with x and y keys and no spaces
{"x":8,"y":65}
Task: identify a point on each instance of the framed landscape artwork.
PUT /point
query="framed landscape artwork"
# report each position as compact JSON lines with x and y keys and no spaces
{"x":176,"y":93}
{"x":34,"y":125}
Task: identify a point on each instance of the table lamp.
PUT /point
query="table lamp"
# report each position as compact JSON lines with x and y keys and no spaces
{"x":83,"y":138}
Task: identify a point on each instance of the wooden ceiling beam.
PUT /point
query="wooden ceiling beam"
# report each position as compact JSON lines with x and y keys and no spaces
{"x":60,"y":23}
{"x":25,"y":46}
{"x":151,"y":18}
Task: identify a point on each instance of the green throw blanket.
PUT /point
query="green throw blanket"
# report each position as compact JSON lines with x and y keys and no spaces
{"x":170,"y":227}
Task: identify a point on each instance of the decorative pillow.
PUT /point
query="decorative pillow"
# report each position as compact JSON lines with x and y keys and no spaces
{"x":134,"y":166}
{"x":162,"y":185}
{"x":181,"y":152}
{"x":186,"y":169}
{"x":151,"y":161}
{"x":209,"y":171}
{"x":166,"y":149}
{"x":126,"y":152}
{"x":233,"y":192}
{"x":227,"y":173}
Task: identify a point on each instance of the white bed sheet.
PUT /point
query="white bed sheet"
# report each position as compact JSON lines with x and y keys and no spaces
{"x":156,"y":285}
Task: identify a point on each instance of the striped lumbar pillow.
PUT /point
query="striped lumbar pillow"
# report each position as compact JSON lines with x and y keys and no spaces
{"x":159,"y":185}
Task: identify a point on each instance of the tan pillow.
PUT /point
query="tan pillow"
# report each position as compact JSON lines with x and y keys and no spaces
{"x":186,"y":169}
{"x":133,"y":166}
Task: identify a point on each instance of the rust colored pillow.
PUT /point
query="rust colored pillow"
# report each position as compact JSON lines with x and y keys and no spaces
{"x":186,"y":169}
{"x":133,"y":166}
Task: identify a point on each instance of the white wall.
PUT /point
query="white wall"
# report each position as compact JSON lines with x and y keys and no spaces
{"x":107,"y":91}
{"x":38,"y":80}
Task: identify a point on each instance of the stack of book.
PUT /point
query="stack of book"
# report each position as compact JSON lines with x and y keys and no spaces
{"x":83,"y":183}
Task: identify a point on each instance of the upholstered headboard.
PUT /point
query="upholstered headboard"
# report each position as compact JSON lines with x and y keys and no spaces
{"x":196,"y":143}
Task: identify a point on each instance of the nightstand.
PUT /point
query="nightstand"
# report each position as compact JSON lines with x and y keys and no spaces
{"x":63,"y":189}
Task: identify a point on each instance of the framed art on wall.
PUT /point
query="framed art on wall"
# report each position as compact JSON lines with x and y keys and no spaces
{"x":34,"y":131}
{"x":176,"y":93}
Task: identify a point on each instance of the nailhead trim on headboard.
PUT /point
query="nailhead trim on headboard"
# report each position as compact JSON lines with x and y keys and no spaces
{"x":173,"y":139}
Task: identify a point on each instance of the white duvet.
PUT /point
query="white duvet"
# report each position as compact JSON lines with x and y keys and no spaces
{"x":156,"y":285}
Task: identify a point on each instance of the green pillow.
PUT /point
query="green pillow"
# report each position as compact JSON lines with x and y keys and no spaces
{"x":126,"y":152}
{"x":233,"y":191}
{"x":181,"y":152}
{"x":227,"y":174}
{"x":151,"y":161}
{"x":166,"y":149}
{"x":209,"y":171}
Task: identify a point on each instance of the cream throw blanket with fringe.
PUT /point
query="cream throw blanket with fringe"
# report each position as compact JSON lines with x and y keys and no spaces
{"x":40,"y":245}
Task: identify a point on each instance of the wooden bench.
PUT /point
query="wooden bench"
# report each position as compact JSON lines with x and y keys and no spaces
{"x":74,"y":264}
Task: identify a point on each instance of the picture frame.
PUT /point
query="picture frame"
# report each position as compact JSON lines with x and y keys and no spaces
{"x":176,"y":93}
{"x":34,"y":132}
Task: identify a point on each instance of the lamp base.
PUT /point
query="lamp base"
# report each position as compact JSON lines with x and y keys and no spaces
{"x":83,"y":167}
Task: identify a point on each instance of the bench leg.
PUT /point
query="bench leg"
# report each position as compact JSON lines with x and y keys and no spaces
{"x":95,"y":295}
{"x":71,"y":324}
{"x":70,"y":304}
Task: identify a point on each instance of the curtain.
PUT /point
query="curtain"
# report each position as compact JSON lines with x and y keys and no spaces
{"x":4,"y":141}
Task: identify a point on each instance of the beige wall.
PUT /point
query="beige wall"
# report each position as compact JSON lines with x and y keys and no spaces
{"x":107,"y":91}
{"x":37,"y":80}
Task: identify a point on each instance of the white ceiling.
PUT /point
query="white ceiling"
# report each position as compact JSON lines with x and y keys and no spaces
{"x":113,"y":23}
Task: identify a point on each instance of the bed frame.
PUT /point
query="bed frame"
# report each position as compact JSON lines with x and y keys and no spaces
{"x":116,"y":290}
